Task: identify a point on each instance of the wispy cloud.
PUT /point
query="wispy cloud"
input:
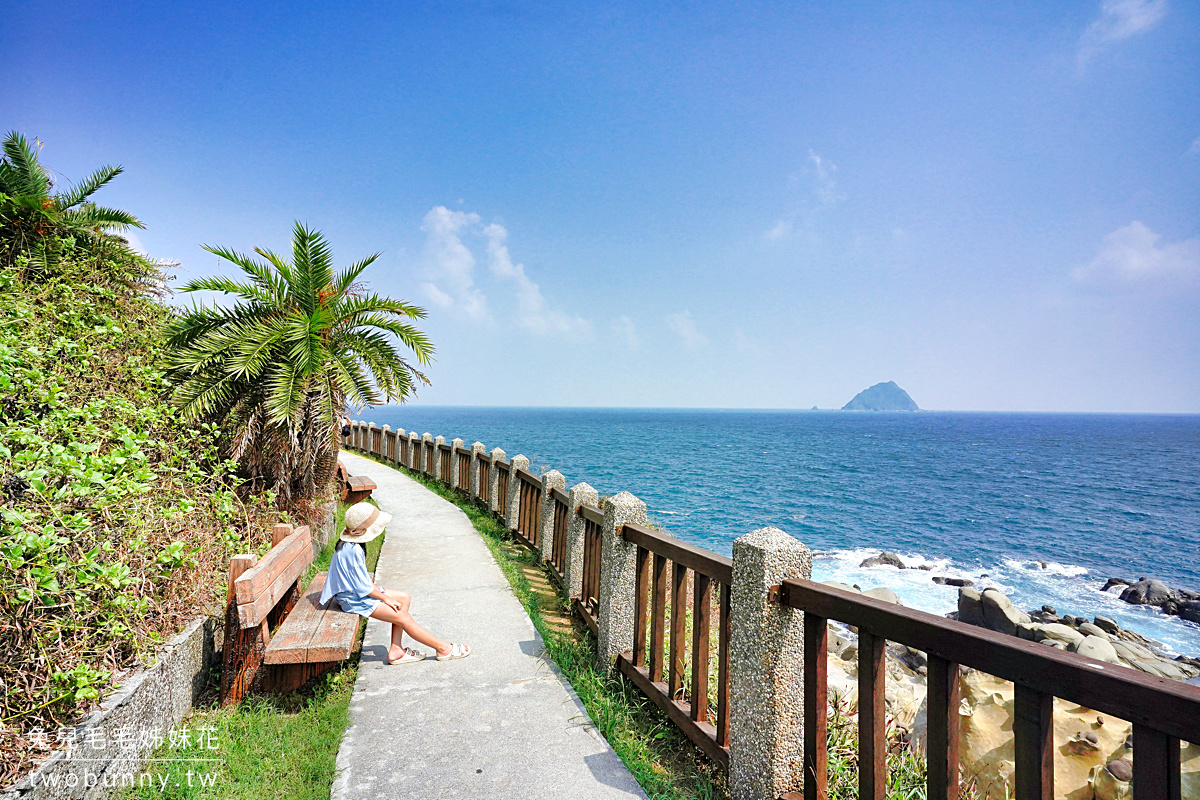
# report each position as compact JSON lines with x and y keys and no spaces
{"x":450,"y":264}
{"x":532,"y":311}
{"x":1195,"y":148}
{"x":780,"y":230}
{"x":1119,"y":20}
{"x":1133,"y":255}
{"x":685,"y":328}
{"x":625,"y":331}
{"x":825,"y":184}
{"x":817,"y":180}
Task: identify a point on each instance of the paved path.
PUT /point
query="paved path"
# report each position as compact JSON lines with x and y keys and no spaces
{"x":501,"y":723}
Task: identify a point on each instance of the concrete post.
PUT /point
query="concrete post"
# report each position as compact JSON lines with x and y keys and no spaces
{"x":498,"y":455}
{"x":454,"y":469}
{"x":385,"y":442}
{"x":356,"y":435}
{"x":766,"y":665}
{"x":514,"y":491}
{"x":400,"y":434}
{"x":618,"y":573}
{"x":551,"y":480}
{"x":477,"y":450}
{"x":370,"y":448}
{"x":581,"y":494}
{"x":414,"y":450}
{"x":426,"y":453}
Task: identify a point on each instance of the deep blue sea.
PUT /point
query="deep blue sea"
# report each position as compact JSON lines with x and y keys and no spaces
{"x":1091,"y":495}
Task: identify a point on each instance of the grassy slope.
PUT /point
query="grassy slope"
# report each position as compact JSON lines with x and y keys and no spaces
{"x":116,"y":519}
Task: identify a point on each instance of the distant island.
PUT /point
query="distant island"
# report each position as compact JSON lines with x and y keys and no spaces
{"x":882,"y":397}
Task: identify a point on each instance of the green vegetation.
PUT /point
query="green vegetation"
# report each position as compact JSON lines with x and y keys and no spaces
{"x":278,"y":368}
{"x":278,"y":746}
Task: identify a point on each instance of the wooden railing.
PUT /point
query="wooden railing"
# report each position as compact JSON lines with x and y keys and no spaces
{"x":558,"y":546}
{"x":464,"y":469}
{"x":587,"y":605}
{"x":376,"y":441}
{"x":685,"y":702}
{"x":1162,"y":711}
{"x":504,"y":472}
{"x":528,"y":523}
{"x":444,"y":467}
{"x":402,"y":443}
{"x":485,"y":479}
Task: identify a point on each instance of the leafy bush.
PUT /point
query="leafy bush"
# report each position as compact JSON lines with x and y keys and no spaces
{"x":116,"y":519}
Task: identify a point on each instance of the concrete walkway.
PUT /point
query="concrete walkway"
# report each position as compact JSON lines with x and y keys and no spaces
{"x":500,"y":723}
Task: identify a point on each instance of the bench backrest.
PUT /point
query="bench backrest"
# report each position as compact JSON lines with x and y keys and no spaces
{"x":258,"y":589}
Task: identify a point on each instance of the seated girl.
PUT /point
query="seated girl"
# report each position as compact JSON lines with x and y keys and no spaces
{"x":349,"y":582}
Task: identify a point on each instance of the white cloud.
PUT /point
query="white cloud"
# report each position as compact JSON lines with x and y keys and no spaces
{"x":1119,"y":20}
{"x":625,"y":331}
{"x":450,"y":263}
{"x":781,"y":230}
{"x":1133,"y":255}
{"x":685,"y":328}
{"x":826,"y":185}
{"x":532,"y":311}
{"x":1195,"y":148}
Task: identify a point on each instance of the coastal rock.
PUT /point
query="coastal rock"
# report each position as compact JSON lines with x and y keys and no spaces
{"x":884,"y":594}
{"x":1000,"y":614}
{"x":1107,"y":625}
{"x":1088,"y":629}
{"x":943,"y":580}
{"x":970,"y":607}
{"x":1118,"y":583}
{"x":1056,"y":631}
{"x":1148,"y":593}
{"x":837,"y":585}
{"x":1190,"y":611}
{"x":1097,"y":648}
{"x":1113,"y":781}
{"x":886,"y":558}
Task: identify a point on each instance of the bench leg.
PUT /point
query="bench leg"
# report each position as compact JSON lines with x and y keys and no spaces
{"x":243,"y":656}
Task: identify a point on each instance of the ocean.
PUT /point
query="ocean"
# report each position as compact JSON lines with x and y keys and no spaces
{"x":1046,"y":506}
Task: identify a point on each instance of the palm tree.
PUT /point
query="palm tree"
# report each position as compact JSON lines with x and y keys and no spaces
{"x":35,"y":221}
{"x":281,"y":363}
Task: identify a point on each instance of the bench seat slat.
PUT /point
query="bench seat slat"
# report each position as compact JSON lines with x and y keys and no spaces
{"x":289,"y":645}
{"x":334,"y":638}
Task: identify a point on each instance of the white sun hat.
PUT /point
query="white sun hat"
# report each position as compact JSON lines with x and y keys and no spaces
{"x":363,"y":523}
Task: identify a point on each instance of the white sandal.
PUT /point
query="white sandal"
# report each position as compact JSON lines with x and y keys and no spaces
{"x":410,"y":657}
{"x":456,"y":651}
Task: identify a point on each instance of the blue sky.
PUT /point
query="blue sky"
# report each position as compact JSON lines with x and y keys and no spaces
{"x":723,"y":205}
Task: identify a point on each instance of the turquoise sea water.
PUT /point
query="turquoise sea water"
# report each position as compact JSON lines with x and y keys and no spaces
{"x":1090,"y":495}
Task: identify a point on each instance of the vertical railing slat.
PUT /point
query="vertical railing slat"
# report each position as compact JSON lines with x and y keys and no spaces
{"x":1033,"y":743}
{"x":678,"y":627}
{"x":701,"y":624}
{"x":723,"y":669}
{"x":816,"y":708}
{"x":943,"y":701}
{"x":641,"y":613}
{"x":658,"y":617}
{"x":872,"y":733}
{"x":1155,"y":765}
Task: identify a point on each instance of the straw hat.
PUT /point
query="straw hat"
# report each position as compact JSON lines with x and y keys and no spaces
{"x":363,"y":523}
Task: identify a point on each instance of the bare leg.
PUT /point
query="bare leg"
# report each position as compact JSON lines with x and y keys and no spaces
{"x":402,"y":622}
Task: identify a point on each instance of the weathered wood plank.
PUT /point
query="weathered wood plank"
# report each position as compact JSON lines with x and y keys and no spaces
{"x":816,"y":707}
{"x":872,"y":734}
{"x":289,"y":645}
{"x":253,"y":582}
{"x":942,"y":752}
{"x":1033,"y":743}
{"x":255,"y":612}
{"x":333,"y":640}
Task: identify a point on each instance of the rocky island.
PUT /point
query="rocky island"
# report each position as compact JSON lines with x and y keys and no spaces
{"x":882,"y":397}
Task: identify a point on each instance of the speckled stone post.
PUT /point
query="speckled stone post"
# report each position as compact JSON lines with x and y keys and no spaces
{"x":414,"y":446}
{"x":551,"y":480}
{"x":356,"y":436}
{"x":514,"y":491}
{"x":498,"y":455}
{"x":477,"y":450}
{"x":426,"y":462}
{"x":766,"y":668}
{"x":581,"y":494}
{"x":617,"y":577}
{"x":454,"y":469}
{"x":370,"y":448}
{"x":386,"y":443}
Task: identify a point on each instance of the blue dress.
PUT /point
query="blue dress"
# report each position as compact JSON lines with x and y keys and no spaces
{"x":349,"y":582}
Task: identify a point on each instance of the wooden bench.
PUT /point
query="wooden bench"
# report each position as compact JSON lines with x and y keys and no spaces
{"x":263,"y":598}
{"x":353,"y":488}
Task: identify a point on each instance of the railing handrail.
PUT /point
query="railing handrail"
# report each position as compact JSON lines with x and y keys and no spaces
{"x":1159,"y":703}
{"x":444,"y":446}
{"x":462,"y":451}
{"x":717,"y":567}
{"x":591,"y":514}
{"x":529,"y":477}
{"x":561,"y":496}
